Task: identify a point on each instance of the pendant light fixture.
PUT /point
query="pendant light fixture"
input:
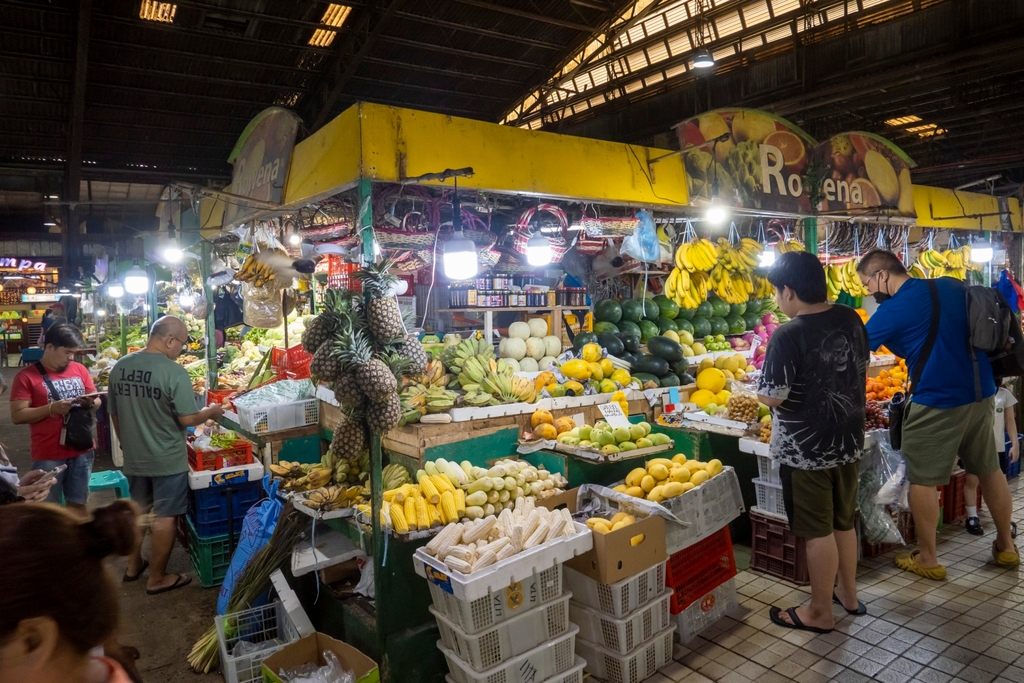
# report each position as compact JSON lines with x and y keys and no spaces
{"x":982,"y":251}
{"x":459,"y":253}
{"x":538,"y":250}
{"x":136,"y":281}
{"x":703,"y":60}
{"x":115,"y":290}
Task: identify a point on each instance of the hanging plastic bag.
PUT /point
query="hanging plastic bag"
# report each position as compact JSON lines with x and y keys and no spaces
{"x":257,"y":528}
{"x":262,"y":306}
{"x":876,"y":470}
{"x":643,"y":243}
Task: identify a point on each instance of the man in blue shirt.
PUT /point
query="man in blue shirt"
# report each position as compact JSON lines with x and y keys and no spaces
{"x":951,"y":410}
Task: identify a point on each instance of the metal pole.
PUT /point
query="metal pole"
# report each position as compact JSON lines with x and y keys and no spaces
{"x":211,"y":332}
{"x":124,"y":335}
{"x":811,"y":235}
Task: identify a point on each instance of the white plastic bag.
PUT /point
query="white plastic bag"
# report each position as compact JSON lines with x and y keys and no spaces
{"x":643,"y":243}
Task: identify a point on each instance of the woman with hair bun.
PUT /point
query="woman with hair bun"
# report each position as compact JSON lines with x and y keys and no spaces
{"x":57,"y":603}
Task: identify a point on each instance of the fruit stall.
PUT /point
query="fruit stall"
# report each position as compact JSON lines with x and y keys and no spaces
{"x":521,"y":414}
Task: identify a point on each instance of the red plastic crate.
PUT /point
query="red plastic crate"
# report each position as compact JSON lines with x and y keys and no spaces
{"x":239,"y":454}
{"x":291,"y":363}
{"x":218,"y":395}
{"x":339,"y":275}
{"x":954,"y":508}
{"x":776,"y":550}
{"x":694,"y":572}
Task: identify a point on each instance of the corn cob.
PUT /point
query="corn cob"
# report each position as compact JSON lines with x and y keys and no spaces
{"x":409,"y":508}
{"x":460,"y":503}
{"x":398,"y":522}
{"x":448,"y":513}
{"x":427,"y":487}
{"x":434,"y":515}
{"x":442,"y":484}
{"x":422,"y":518}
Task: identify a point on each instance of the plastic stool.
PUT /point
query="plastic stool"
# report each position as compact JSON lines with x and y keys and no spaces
{"x":112,"y":479}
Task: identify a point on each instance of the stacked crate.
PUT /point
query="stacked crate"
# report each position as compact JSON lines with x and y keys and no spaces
{"x":702,"y":579}
{"x":775,"y":550}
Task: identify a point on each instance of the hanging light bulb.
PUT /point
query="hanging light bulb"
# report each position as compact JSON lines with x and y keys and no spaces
{"x":538,"y":250}
{"x":186,"y":300}
{"x":172,"y":253}
{"x":982,"y":252}
{"x":768,"y":256}
{"x":703,"y":60}
{"x":115,"y":290}
{"x":459,"y":252}
{"x":101,"y":312}
{"x":136,"y":281}
{"x":294,"y":239}
{"x":716,"y":213}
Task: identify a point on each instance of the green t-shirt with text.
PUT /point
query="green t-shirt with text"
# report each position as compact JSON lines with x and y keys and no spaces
{"x":148,"y":392}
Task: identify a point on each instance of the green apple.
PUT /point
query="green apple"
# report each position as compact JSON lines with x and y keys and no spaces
{"x":719,"y":337}
{"x":621,"y":434}
{"x":636,"y":432}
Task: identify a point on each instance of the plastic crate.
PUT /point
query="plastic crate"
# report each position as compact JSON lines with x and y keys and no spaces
{"x":268,"y":626}
{"x":707,"y":508}
{"x":693,"y":572}
{"x":623,"y":635}
{"x":768,"y":469}
{"x":208,"y":508}
{"x":275,"y":418}
{"x":573,"y":675}
{"x":769,"y":498}
{"x":239,"y":454}
{"x":617,"y":599}
{"x":473,"y":616}
{"x":632,"y":667}
{"x":523,"y":632}
{"x":210,"y":556}
{"x":696,"y":618}
{"x":541,"y":663}
{"x":291,"y":363}
{"x":954,"y":508}
{"x":217,"y":396}
{"x":776,"y":551}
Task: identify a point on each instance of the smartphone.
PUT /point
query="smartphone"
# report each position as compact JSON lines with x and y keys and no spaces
{"x":94,"y":394}
{"x":51,"y":474}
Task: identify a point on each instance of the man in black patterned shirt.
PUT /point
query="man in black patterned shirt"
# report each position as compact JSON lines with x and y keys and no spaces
{"x":813,"y":379}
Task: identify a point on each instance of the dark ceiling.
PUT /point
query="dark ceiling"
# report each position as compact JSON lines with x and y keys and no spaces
{"x":167,"y":101}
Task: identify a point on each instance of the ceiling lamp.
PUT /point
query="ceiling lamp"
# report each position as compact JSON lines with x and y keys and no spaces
{"x":538,"y":250}
{"x":100,"y":312}
{"x":186,"y":300}
{"x":172,"y":252}
{"x":459,"y":253}
{"x":115,"y":290}
{"x":703,"y":60}
{"x":716,"y":213}
{"x":768,"y":257}
{"x":982,"y":252}
{"x":136,"y":281}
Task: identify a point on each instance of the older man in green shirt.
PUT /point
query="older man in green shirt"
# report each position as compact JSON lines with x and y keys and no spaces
{"x":151,"y":401}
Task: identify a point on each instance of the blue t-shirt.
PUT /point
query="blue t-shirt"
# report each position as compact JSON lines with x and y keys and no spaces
{"x":901,"y":324}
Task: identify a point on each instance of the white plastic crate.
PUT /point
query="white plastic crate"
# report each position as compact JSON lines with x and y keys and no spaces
{"x":768,"y":469}
{"x":707,"y":508}
{"x":573,"y":675}
{"x":268,"y":627}
{"x":280,"y":416}
{"x":473,"y":616}
{"x":706,"y":611}
{"x":769,"y":498}
{"x":632,"y":667}
{"x":523,"y":632}
{"x":539,"y":664}
{"x":617,"y":599}
{"x":623,"y":635}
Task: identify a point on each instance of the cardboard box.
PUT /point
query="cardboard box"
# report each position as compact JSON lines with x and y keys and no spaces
{"x":309,"y":649}
{"x":614,"y":557}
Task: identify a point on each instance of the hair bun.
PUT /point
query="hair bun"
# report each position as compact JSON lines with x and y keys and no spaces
{"x":113,"y":529}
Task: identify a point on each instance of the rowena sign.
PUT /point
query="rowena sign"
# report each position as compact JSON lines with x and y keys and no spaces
{"x":23,"y":265}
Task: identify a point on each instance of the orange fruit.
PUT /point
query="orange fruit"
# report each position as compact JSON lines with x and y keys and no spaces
{"x":794,"y":153}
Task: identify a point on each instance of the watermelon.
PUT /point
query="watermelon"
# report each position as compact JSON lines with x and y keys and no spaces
{"x":737,"y":309}
{"x":602,"y":327}
{"x":719,"y":326}
{"x":701,"y":327}
{"x":648,"y":329}
{"x":608,"y":310}
{"x":704,"y":310}
{"x":632,"y":310}
{"x":630,"y":327}
{"x":720,"y":307}
{"x":736,"y":324}
{"x":651,"y":310}
{"x":686,"y":313}
{"x":682,"y":325}
{"x":751,"y":319}
{"x":754,"y":306}
{"x":584,"y":338}
{"x":668,"y":308}
{"x":667,"y":324}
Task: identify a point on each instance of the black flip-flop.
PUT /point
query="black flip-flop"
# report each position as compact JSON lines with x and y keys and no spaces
{"x":179,"y":582}
{"x":861,"y":609}
{"x":775,"y":614}
{"x":128,"y":579}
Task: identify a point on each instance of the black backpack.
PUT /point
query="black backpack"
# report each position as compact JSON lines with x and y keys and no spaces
{"x":995,"y":330}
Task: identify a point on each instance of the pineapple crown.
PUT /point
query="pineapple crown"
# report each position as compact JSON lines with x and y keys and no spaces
{"x":398,"y":364}
{"x":377,"y":281}
{"x":352,"y":347}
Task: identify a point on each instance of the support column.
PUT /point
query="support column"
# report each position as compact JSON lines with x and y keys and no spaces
{"x":70,"y":237}
{"x":211,"y":333}
{"x":811,"y":235}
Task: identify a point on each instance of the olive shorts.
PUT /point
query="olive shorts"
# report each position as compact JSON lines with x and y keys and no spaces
{"x":819,"y":502}
{"x":934,"y":437}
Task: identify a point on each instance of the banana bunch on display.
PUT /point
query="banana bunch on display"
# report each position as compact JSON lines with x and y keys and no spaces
{"x":457,"y":358}
{"x":930,"y":259}
{"x":332,"y":497}
{"x":742,"y":258}
{"x":394,"y":476}
{"x":256,"y":271}
{"x":296,"y":477}
{"x":700,"y":254}
{"x":762,"y":288}
{"x":731,"y":286}
{"x":687,"y":289}
{"x":429,"y":400}
{"x":433,"y":377}
{"x":503,"y":385}
{"x":784,"y":246}
{"x":958,"y":262}
{"x":844,"y":278}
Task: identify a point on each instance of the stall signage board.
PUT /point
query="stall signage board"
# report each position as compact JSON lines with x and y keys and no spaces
{"x":23,"y":265}
{"x":261,"y":157}
{"x":613,"y":415}
{"x":759,"y":160}
{"x":39,"y":298}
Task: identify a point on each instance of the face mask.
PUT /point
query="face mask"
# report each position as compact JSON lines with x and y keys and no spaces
{"x":881,"y":297}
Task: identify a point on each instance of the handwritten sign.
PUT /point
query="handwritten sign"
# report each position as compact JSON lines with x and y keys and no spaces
{"x":613,"y":415}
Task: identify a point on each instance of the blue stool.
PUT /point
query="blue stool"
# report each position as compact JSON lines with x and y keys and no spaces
{"x":112,"y":479}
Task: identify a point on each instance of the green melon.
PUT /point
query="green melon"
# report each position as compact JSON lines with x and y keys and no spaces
{"x":701,"y":327}
{"x":668,"y":308}
{"x":630,"y":327}
{"x":682,"y":325}
{"x":602,"y":327}
{"x":751,"y":319}
{"x":632,"y":310}
{"x":687,"y":313}
{"x":737,"y":309}
{"x":667,"y":324}
{"x":736,"y":324}
{"x":719,"y":306}
{"x":719,"y":326}
{"x":608,"y":310}
{"x":704,"y":310}
{"x":651,"y":310}
{"x":648,"y":329}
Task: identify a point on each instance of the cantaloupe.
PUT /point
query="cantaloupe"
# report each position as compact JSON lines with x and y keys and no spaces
{"x":520,"y":330}
{"x":552,"y":345}
{"x":535,"y":348}
{"x":515,"y":348}
{"x":538,"y":327}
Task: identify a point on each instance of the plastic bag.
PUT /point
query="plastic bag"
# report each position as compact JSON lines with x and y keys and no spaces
{"x":331,"y":672}
{"x":643,"y":243}
{"x":282,"y":391}
{"x":365,"y":586}
{"x":877,"y":470}
{"x":895,"y":490}
{"x":262,"y":306}
{"x":257,"y":528}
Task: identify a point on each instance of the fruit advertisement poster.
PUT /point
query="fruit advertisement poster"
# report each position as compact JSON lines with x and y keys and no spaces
{"x":261,"y":157}
{"x":864,"y":174}
{"x":760,"y":161}
{"x":757,"y":160}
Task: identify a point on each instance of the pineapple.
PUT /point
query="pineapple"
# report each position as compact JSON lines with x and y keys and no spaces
{"x":384,"y":416}
{"x":413,"y":352}
{"x":383,"y":315}
{"x":325,"y":364}
{"x":339,"y":306}
{"x":373,"y":377}
{"x":349,"y":440}
{"x":346,"y":392}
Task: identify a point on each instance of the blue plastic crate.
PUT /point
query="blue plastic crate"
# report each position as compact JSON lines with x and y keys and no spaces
{"x":208,"y":508}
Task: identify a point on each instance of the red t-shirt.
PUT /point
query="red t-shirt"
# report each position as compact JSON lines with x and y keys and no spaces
{"x":29,"y":386}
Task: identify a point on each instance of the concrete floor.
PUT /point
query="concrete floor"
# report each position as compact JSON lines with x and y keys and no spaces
{"x":163,"y":627}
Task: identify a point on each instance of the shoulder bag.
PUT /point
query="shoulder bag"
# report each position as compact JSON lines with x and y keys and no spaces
{"x":898,"y":408}
{"x":78,"y":422}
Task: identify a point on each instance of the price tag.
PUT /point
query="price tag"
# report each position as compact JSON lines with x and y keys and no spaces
{"x":613,"y":414}
{"x":579,"y":419}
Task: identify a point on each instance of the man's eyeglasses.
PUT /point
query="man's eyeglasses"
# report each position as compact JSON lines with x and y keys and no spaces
{"x":183,"y":343}
{"x":872,"y":277}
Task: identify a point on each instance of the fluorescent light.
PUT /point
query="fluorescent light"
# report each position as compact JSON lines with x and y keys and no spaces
{"x":49,"y":224}
{"x":158,"y":11}
{"x":62,"y":290}
{"x":768,"y":257}
{"x":538,"y":251}
{"x":172,"y":253}
{"x":136,"y":281}
{"x":703,"y":60}
{"x":115,"y":290}
{"x":334,"y":17}
{"x":101,"y":312}
{"x":460,"y":258}
{"x":52,"y":196}
{"x":982,"y":252}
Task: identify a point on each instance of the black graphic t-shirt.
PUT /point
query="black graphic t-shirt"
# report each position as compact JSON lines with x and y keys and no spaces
{"x":817,"y":364}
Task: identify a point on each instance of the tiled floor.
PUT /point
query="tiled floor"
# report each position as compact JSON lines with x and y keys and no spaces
{"x":967,"y":628}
